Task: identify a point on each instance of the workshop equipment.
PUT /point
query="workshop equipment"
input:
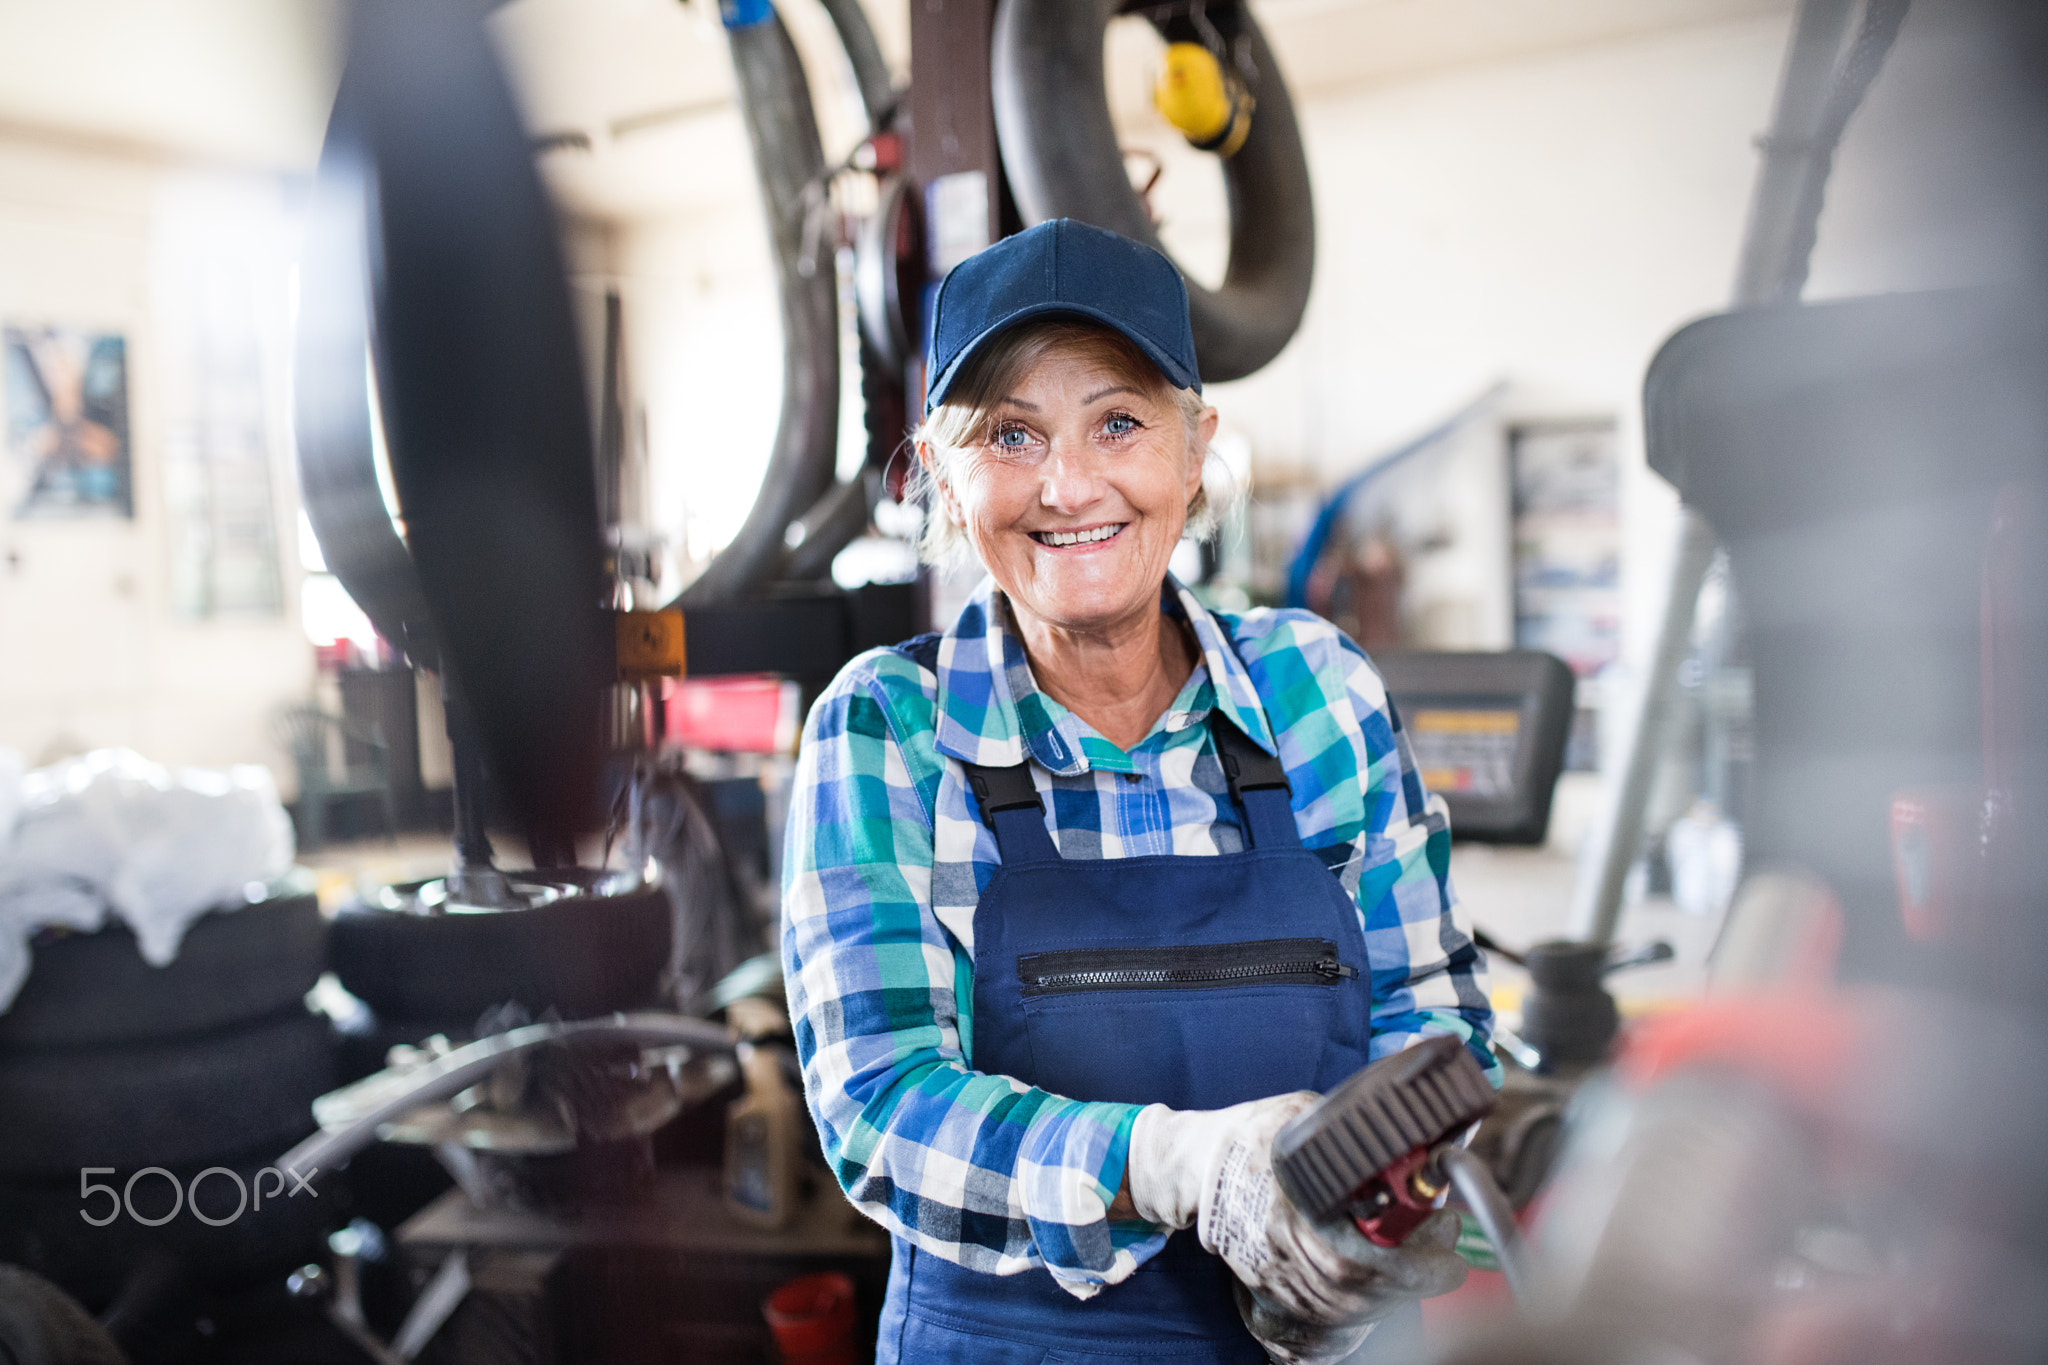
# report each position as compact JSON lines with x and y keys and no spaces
{"x":552,"y":1117}
{"x":1568,"y":1016}
{"x":1209,"y":106}
{"x":1488,"y":730}
{"x":1384,"y":1148}
{"x":551,"y":1219}
{"x":353,"y":1117}
{"x":1914,"y":413}
{"x":1370,"y":1148}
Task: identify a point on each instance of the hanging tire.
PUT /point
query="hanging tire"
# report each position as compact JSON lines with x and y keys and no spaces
{"x":239,"y":1092}
{"x":480,"y":388}
{"x":1062,"y":160}
{"x":580,"y":955}
{"x":234,"y":966}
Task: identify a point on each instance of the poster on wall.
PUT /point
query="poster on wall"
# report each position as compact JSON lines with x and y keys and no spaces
{"x":1567,"y":509}
{"x":66,"y":398}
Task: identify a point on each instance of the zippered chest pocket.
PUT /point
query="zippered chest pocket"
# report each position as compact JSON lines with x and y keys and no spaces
{"x":1258,"y":962}
{"x":1192,"y":1026}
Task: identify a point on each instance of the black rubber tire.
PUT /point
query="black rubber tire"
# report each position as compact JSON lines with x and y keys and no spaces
{"x":579,"y":956}
{"x":94,"y":990}
{"x":480,"y":385}
{"x":41,"y":1228}
{"x":244,"y":1091}
{"x":41,"y":1325}
{"x":1062,"y":160}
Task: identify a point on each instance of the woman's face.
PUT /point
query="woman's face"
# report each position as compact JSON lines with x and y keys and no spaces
{"x":1077,"y":494}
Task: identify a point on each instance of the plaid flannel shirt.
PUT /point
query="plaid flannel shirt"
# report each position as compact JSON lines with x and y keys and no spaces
{"x":886,"y":858}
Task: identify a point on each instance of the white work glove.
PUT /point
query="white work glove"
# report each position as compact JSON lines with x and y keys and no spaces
{"x":1422,"y":1267}
{"x":1314,"y":1289}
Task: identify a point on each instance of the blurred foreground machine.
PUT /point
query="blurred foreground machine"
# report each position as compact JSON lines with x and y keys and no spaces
{"x":1750,"y":1180}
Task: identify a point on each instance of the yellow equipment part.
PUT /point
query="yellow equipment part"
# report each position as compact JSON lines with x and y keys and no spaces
{"x":1191,"y":92}
{"x":650,"y":644}
{"x":1209,"y":107}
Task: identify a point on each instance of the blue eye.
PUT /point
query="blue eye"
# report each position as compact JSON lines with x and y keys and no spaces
{"x":1121,"y":424}
{"x":1011,"y":437}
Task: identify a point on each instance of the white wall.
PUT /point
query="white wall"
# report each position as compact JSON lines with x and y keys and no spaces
{"x":698,"y":294}
{"x":91,"y":653}
{"x":1547,"y":221}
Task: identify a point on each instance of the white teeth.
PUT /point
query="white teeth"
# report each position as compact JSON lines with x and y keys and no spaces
{"x":1079,"y":537}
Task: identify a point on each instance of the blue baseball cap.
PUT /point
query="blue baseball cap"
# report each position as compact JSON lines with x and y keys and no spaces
{"x":1066,"y":268}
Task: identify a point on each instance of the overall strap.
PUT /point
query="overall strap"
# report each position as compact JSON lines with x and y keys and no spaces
{"x":1010,"y":807}
{"x":1258,"y":784}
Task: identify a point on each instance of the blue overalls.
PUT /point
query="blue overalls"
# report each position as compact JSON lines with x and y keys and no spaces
{"x":1194,"y":982}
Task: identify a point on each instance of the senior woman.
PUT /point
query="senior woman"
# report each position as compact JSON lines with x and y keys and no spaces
{"x":1086,"y":894}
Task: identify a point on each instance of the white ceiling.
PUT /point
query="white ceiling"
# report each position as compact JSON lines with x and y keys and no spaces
{"x":646,"y":82}
{"x":237,"y":81}
{"x":1326,"y":43}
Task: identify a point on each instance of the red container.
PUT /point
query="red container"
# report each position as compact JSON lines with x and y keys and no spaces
{"x":747,"y":714}
{"x":813,"y":1320}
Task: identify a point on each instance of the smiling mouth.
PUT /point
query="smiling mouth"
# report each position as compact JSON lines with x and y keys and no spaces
{"x":1091,"y":536}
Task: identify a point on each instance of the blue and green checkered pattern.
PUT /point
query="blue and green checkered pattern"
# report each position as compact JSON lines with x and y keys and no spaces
{"x":886,"y":861}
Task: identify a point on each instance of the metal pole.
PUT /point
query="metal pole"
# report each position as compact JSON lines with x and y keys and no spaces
{"x":475,"y":879}
{"x":1767,"y":271}
{"x":1596,"y":903}
{"x":1771,"y":269}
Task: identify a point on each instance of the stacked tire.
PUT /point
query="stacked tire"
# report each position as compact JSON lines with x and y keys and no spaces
{"x":465,"y":972}
{"x":142,"y":1103}
{"x":590,"y":951}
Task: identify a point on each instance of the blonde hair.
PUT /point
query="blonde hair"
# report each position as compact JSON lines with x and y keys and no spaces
{"x":964,"y":420}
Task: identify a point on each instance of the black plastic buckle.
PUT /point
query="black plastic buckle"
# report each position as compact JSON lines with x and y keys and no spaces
{"x":1247,"y":767}
{"x":997,"y":789}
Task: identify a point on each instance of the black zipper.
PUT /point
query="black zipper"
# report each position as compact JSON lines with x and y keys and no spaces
{"x":1260,"y":962}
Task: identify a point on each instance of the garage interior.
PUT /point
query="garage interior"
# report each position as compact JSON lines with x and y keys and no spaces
{"x":449,"y":445}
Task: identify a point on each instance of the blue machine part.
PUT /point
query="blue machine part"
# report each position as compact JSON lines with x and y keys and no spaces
{"x":744,"y":13}
{"x":1304,"y":562}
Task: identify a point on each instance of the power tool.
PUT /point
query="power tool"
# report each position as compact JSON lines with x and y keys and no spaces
{"x":1369,"y":1148}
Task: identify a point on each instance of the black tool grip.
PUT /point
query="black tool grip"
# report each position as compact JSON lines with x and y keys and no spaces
{"x":1326,"y":1157}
